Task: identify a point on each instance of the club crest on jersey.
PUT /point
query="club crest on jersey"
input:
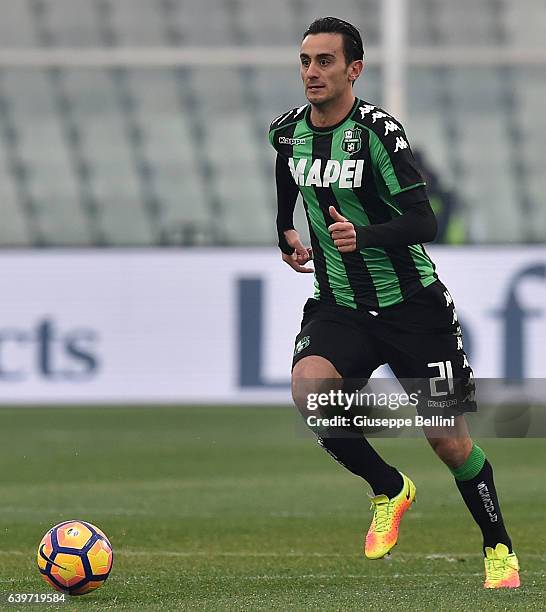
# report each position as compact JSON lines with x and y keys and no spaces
{"x":302,"y":344}
{"x":351,"y":141}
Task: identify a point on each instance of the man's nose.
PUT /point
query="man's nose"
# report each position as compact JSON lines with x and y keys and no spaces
{"x":312,"y":70}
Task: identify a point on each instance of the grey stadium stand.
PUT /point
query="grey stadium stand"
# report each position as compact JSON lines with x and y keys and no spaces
{"x":159,"y":156}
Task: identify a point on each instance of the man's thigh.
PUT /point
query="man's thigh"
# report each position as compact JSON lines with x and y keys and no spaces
{"x":423,"y":345}
{"x":338,"y":335}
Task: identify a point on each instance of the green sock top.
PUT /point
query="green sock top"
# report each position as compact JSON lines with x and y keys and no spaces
{"x":472,"y":466}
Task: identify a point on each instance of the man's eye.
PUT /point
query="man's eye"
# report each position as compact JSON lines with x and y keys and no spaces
{"x":324,"y":62}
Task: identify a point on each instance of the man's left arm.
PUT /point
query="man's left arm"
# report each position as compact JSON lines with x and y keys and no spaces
{"x":394,"y":162}
{"x":416,"y":224}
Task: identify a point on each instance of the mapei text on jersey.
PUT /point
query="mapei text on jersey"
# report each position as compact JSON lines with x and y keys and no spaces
{"x":348,"y":173}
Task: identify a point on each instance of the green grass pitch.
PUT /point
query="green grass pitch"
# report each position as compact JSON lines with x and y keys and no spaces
{"x":236,"y":509}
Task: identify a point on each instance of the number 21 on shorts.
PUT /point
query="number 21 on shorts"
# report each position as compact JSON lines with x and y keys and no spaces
{"x":445,"y":373}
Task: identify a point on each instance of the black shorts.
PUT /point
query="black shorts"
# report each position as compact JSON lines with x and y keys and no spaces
{"x":420,"y":339}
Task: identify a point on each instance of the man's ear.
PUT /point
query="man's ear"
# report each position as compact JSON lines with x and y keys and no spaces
{"x":355,"y":69}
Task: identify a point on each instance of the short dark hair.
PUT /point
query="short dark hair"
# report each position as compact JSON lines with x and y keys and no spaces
{"x":353,"y":49}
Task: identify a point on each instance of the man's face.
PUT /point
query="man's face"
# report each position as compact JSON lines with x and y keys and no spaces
{"x":323,"y":70}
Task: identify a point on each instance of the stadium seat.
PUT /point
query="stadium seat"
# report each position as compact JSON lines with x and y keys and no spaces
{"x":138,"y":23}
{"x":205,"y":24}
{"x":466,"y":22}
{"x":365,"y":14}
{"x":522,"y":29}
{"x":17,"y":27}
{"x":73,"y":23}
{"x":260,"y":23}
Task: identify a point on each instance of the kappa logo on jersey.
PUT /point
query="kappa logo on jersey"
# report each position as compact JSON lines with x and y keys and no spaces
{"x":347,"y":174}
{"x":278,"y":120}
{"x":291,"y":141}
{"x":390,"y":126}
{"x":281,"y":118}
{"x":364,"y":110}
{"x":400,"y":144}
{"x":352,"y":141}
{"x":379,"y":115}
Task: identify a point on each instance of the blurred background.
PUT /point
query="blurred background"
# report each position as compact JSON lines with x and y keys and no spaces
{"x":143,"y":123}
{"x":131,"y":122}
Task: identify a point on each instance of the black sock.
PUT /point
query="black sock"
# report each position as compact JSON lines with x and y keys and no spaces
{"x":480,"y":496}
{"x":350,"y":448}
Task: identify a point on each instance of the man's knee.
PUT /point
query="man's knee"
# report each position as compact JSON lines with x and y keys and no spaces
{"x":313,"y":375}
{"x":452,"y":451}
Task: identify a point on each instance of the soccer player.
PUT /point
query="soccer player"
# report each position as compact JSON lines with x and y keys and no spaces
{"x":377,"y":296}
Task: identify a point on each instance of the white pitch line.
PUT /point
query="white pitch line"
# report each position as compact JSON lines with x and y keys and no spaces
{"x":350,"y":576}
{"x":295,"y":554}
{"x":201,"y":553}
{"x":450,"y":557}
{"x":376,"y":576}
{"x":319,"y":576}
{"x":290,"y":554}
{"x":361,"y":576}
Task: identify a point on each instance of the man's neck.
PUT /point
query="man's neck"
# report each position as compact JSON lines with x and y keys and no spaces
{"x":327,"y":116}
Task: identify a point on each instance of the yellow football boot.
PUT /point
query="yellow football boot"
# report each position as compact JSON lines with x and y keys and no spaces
{"x":387,"y":514}
{"x":501,"y":568}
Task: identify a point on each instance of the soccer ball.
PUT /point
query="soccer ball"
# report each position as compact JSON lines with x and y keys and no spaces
{"x":75,"y":557}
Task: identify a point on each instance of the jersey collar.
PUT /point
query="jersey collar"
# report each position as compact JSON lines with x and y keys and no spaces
{"x":329,"y":128}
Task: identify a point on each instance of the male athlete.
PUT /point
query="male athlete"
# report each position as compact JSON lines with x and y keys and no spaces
{"x":377,"y":297}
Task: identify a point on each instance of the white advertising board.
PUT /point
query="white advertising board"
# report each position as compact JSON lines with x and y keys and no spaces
{"x":215,"y":325}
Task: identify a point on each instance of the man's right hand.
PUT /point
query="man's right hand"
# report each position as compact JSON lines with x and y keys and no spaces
{"x":300,"y":256}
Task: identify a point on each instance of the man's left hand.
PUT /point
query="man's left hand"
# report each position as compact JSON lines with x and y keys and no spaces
{"x":343,"y":232}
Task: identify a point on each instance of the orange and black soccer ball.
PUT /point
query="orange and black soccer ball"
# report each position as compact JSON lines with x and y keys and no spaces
{"x":75,"y":557}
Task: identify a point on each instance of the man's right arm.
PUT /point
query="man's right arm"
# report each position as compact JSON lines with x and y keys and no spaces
{"x":287,"y":194}
{"x":293,"y":251}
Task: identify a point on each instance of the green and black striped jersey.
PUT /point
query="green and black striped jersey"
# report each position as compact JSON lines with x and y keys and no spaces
{"x":364,"y":167}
